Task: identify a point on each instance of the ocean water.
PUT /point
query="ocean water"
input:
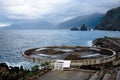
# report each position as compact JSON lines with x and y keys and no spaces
{"x":14,"y":42}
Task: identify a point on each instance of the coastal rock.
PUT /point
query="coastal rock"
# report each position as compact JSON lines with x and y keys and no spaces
{"x":84,"y":28}
{"x":108,"y":42}
{"x":74,"y":29}
{"x":3,"y":65}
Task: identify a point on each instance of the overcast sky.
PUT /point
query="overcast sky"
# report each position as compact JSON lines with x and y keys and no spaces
{"x":53,"y":9}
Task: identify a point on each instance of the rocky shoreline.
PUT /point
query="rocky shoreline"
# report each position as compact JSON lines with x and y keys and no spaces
{"x":108,"y":42}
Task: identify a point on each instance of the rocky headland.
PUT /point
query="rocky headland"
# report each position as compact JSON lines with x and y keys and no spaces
{"x":111,"y":20}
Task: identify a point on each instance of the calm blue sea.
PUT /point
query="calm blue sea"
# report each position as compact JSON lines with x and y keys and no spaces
{"x":14,"y":42}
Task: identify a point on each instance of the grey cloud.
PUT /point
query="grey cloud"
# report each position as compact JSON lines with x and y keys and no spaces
{"x":68,"y":9}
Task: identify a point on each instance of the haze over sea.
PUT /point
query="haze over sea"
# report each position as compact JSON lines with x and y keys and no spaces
{"x":14,"y":42}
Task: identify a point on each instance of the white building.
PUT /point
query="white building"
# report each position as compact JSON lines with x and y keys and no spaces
{"x":61,"y":64}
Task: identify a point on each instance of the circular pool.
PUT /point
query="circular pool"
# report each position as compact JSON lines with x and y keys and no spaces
{"x":77,"y":54}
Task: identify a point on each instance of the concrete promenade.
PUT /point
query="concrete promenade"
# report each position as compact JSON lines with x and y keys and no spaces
{"x":66,"y":75}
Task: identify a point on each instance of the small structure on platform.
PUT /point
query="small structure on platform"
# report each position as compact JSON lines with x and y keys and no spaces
{"x":62,"y":64}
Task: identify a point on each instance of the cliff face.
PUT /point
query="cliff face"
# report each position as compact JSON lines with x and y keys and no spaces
{"x":111,"y":21}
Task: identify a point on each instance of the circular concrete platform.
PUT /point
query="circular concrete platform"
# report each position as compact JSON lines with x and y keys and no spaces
{"x":77,"y":54}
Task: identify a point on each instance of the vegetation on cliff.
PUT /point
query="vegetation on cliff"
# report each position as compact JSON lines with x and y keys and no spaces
{"x":18,"y":73}
{"x":111,"y":20}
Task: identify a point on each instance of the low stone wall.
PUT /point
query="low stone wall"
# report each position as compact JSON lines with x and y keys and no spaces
{"x":116,"y":62}
{"x":93,"y":61}
{"x":36,"y":60}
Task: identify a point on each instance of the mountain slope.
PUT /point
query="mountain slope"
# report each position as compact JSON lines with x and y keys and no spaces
{"x":89,"y":20}
{"x":31,"y":25}
{"x":111,"y":20}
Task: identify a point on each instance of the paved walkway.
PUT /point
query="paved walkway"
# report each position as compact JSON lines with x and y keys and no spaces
{"x":107,"y":76}
{"x":94,"y":77}
{"x":118,"y":75}
{"x":65,"y":75}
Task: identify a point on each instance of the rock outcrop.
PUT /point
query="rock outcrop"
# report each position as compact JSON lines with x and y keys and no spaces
{"x":111,"y":21}
{"x":84,"y":28}
{"x":74,"y":29}
{"x":108,"y":42}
